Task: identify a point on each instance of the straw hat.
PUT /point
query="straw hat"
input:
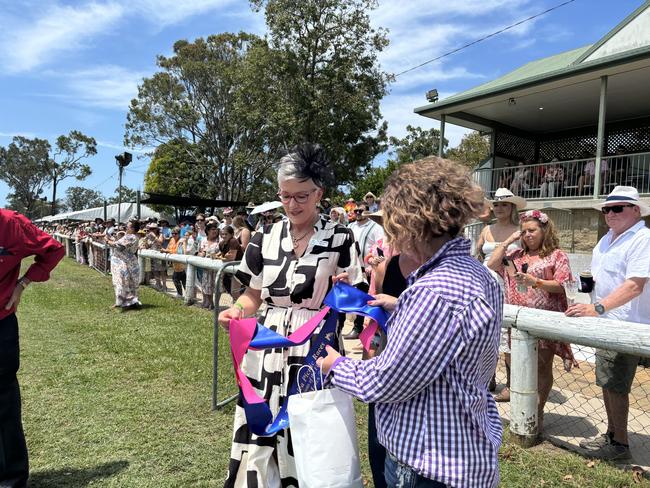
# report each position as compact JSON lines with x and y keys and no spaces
{"x":370,"y":194}
{"x":152,"y":226}
{"x":621,"y":195}
{"x":505,"y":195}
{"x":377,"y":216}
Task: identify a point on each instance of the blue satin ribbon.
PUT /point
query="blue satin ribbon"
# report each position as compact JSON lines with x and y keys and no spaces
{"x":342,"y":298}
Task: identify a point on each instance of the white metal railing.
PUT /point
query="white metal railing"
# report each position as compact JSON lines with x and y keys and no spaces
{"x":568,"y":179}
{"x":528,"y":325}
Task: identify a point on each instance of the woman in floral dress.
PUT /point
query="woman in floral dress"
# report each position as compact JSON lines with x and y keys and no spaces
{"x":209,"y":248}
{"x":288,"y":265}
{"x":534,"y":278}
{"x":124,"y":267}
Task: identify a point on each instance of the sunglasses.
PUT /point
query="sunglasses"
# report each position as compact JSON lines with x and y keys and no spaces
{"x":615,"y":208}
{"x":174,"y":233}
{"x":200,"y":220}
{"x":358,"y":211}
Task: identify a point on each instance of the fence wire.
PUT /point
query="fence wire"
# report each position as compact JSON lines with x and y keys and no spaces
{"x":575,"y":409}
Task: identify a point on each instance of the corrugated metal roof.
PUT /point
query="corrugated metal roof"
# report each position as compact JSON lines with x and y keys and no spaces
{"x":534,"y":69}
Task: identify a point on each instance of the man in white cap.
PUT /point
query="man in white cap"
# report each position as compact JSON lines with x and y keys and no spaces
{"x":620,"y":266}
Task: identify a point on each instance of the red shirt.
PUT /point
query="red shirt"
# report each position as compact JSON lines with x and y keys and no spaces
{"x":19,"y":238}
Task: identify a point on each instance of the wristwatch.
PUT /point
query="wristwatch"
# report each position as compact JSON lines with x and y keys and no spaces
{"x":600,"y":309}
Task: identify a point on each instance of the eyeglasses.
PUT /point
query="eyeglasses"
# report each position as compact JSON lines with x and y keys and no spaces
{"x":615,"y":208}
{"x":298,"y":197}
{"x":358,"y":211}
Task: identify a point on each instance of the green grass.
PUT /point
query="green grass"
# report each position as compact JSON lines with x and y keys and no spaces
{"x":122,"y":399}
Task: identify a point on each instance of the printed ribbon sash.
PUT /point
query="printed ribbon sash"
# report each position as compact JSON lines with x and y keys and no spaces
{"x":249,"y":334}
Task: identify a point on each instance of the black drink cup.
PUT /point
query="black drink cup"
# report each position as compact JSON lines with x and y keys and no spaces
{"x":586,"y":282}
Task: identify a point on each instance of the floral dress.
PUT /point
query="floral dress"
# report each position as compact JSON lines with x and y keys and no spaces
{"x":556,"y":267}
{"x":293,"y":289}
{"x":208,"y":277}
{"x":125,"y":271}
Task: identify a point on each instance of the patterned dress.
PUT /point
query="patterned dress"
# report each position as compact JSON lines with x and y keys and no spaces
{"x":125,"y":271}
{"x":293,"y":289}
{"x":208,"y":277}
{"x":556,"y":267}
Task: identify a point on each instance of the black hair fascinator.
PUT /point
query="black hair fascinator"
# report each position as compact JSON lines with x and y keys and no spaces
{"x":311,"y":162}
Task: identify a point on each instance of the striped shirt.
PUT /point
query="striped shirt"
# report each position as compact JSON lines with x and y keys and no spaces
{"x":434,"y":412}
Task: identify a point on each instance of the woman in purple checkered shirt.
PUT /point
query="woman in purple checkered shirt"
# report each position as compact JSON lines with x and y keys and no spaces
{"x":434,"y":414}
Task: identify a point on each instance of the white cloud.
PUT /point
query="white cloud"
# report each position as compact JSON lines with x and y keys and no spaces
{"x":11,"y":135}
{"x":119,"y":147}
{"x":110,"y":86}
{"x":58,"y":29}
{"x":168,"y":12}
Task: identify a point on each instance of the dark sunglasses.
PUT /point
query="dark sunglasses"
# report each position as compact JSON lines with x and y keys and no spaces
{"x":358,"y":211}
{"x":174,"y":233}
{"x":615,"y":208}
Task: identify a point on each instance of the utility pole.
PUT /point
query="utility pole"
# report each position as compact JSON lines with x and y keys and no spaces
{"x":123,"y":161}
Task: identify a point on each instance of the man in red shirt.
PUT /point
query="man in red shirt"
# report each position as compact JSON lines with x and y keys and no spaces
{"x":19,"y":238}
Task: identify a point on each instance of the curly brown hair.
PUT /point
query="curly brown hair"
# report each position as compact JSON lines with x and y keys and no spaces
{"x":551,"y":240}
{"x":427,"y":199}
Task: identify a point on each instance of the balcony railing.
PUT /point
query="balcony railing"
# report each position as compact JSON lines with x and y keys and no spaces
{"x":568,"y":179}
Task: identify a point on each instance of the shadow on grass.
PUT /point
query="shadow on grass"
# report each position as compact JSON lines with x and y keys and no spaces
{"x":75,"y":477}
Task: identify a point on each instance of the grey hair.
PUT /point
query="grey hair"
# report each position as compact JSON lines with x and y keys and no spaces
{"x":290,"y":169}
{"x":306,"y":161}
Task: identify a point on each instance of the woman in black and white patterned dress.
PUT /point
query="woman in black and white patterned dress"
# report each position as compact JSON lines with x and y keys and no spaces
{"x":290,"y":266}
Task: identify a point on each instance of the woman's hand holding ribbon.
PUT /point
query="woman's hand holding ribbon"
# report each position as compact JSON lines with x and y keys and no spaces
{"x":232,"y":313}
{"x":341,"y":277}
{"x":326,"y":363}
{"x":387,"y":302}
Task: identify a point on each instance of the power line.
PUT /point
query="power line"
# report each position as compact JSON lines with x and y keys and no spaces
{"x":112,"y":176}
{"x":486,"y":37}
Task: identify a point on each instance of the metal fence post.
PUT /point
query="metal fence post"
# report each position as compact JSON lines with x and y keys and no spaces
{"x":141,"y":269}
{"x":523,"y":389}
{"x":216,"y":404}
{"x":190,"y":283}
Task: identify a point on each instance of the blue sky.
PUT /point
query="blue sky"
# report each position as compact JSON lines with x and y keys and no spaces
{"x":76,"y":64}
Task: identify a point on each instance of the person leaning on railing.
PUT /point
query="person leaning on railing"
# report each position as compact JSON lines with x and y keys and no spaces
{"x":178,"y":276}
{"x":620,"y":266}
{"x":534,"y":277}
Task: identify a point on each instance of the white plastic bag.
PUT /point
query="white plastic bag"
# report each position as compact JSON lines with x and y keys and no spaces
{"x":324,"y":437}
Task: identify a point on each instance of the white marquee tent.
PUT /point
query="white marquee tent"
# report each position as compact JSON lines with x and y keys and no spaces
{"x":128,"y":211}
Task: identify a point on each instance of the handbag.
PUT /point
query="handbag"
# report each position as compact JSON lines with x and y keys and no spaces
{"x":324,"y":437}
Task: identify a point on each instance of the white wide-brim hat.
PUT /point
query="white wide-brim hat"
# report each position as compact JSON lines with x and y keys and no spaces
{"x":621,"y":195}
{"x":505,"y":195}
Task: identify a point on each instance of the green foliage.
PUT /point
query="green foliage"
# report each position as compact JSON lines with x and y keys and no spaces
{"x":128,"y":195}
{"x":373,"y":180}
{"x":416,"y":144}
{"x":472,"y":150}
{"x":66,"y":160}
{"x":172,"y":172}
{"x":23,"y":166}
{"x":197,"y":102}
{"x":80,"y":198}
{"x":323,"y":80}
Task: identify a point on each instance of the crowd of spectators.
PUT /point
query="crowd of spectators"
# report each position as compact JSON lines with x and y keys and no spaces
{"x":224,"y":235}
{"x":552,"y":178}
